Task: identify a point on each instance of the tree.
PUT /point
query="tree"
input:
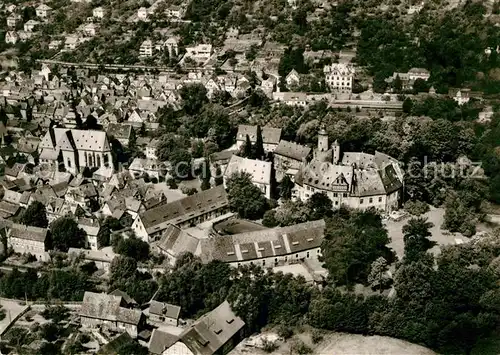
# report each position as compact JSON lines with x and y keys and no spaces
{"x":123,"y":268}
{"x":194,"y":96}
{"x":458,"y":216}
{"x":259,"y":152}
{"x":420,"y":85}
{"x":397,"y":84}
{"x":219,"y":179}
{"x":244,"y":197}
{"x":269,"y":219}
{"x":134,"y":248}
{"x":247,"y":148}
{"x":65,"y":234}
{"x":205,"y":175}
{"x":35,"y":215}
{"x":378,"y":277}
{"x":416,"y":238}
{"x":320,"y":206}
{"x":286,"y":187}
{"x":407,"y":105}
{"x":181,"y":164}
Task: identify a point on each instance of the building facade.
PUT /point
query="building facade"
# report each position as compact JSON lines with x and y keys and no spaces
{"x":77,"y":149}
{"x":28,"y":240}
{"x":339,"y":77}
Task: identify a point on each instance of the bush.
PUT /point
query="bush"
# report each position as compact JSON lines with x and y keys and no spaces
{"x":301,"y":348}
{"x":316,"y":336}
{"x":416,"y":208}
{"x":154,"y":180}
{"x":269,"y":346}
{"x":285,"y":332}
{"x":172,"y":184}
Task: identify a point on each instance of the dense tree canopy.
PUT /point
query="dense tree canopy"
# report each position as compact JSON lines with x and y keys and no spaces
{"x":244,"y":197}
{"x":35,"y":215}
{"x":65,"y":234}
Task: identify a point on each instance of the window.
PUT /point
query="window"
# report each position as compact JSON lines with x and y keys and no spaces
{"x":336,"y":203}
{"x":345,"y":195}
{"x":69,"y":163}
{"x":370,"y":200}
{"x":361,"y":201}
{"x":307,"y":255}
{"x":335,"y":194}
{"x":380,"y":199}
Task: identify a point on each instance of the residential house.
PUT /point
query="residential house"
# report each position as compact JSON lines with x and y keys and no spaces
{"x":199,"y":53}
{"x":99,"y":310}
{"x":172,"y":46}
{"x":161,"y":341}
{"x":101,"y":258}
{"x":43,"y":11}
{"x":90,"y":29}
{"x":71,"y":42}
{"x":191,"y":210}
{"x":30,"y":25}
{"x":11,"y":37}
{"x":98,"y":12}
{"x":292,"y":79}
{"x":91,"y":226}
{"x":142,"y":14}
{"x":339,"y":77}
{"x":291,"y":98}
{"x":149,"y":167}
{"x":270,"y":136}
{"x":260,"y":172}
{"x":164,"y":313}
{"x":151,"y":149}
{"x":217,"y":332}
{"x":175,"y":242}
{"x":175,"y":12}
{"x":28,"y":240}
{"x":288,"y":158}
{"x":121,"y":132}
{"x":12,"y":20}
{"x":146,"y":49}
{"x":461,"y":96}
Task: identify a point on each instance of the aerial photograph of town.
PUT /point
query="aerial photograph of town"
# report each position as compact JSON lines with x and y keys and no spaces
{"x":250,"y":177}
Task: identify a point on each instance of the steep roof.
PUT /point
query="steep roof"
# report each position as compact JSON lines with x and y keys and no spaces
{"x":164,"y":309}
{"x":292,"y":150}
{"x":266,"y":243}
{"x":28,"y":232}
{"x":107,"y":307}
{"x":175,"y":241}
{"x":158,"y":218}
{"x":260,"y":171}
{"x":209,"y":333}
{"x":160,"y":341}
{"x":269,"y":135}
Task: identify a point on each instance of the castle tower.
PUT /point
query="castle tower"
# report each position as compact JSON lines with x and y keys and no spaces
{"x":336,"y":152}
{"x":322,"y":141}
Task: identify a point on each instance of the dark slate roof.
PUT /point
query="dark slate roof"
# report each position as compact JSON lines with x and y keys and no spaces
{"x":158,"y":218}
{"x":209,"y":333}
{"x":292,"y":150}
{"x":269,"y":135}
{"x":160,"y":341}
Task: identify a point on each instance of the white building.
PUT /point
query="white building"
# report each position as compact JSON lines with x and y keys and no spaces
{"x":142,"y":14}
{"x":12,"y":20}
{"x":98,"y":12}
{"x":28,"y":240}
{"x":43,"y":11}
{"x":270,"y":136}
{"x":30,"y":25}
{"x":146,"y":49}
{"x":355,"y":180}
{"x":172,"y":46}
{"x":11,"y":37}
{"x":260,"y":172}
{"x":71,"y":42}
{"x":90,"y":29}
{"x":291,"y":98}
{"x":199,"y":53}
{"x":418,"y":73}
{"x":339,"y":77}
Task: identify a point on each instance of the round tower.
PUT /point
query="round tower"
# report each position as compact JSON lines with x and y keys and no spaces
{"x":322,"y":140}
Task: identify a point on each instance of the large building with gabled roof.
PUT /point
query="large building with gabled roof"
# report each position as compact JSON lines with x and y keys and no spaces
{"x":76,"y":148}
{"x":191,"y":210}
{"x":350,"y":179}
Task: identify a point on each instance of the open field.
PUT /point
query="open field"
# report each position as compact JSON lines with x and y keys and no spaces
{"x":336,"y":344}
